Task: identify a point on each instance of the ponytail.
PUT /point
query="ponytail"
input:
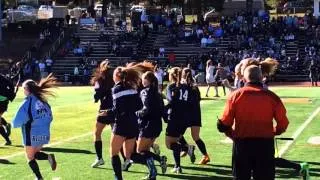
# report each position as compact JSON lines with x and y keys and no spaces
{"x":128,"y":76}
{"x":40,"y":90}
{"x":269,"y":66}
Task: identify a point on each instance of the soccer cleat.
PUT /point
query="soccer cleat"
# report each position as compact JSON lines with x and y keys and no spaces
{"x":8,"y":143}
{"x":177,"y":170}
{"x":304,"y":171}
{"x":126,"y":165}
{"x":156,"y":149}
{"x":52,"y":162}
{"x":163,"y":164}
{"x":183,"y":154}
{"x":8,"y":128}
{"x":205,"y":159}
{"x":216,"y":96}
{"x":191,"y":154}
{"x":97,"y":163}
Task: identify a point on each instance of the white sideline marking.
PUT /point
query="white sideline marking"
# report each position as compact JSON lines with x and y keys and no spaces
{"x":298,"y":132}
{"x":50,"y":145}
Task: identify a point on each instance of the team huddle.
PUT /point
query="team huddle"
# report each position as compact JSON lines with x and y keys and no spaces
{"x":131,"y":102}
{"x":133,"y":105}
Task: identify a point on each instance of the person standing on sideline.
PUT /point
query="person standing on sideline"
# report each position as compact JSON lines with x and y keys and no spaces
{"x":210,"y":71}
{"x":158,"y":72}
{"x":252,"y":129}
{"x":314,"y":72}
{"x":34,"y":117}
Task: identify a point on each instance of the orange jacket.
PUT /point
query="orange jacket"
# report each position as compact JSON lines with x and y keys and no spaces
{"x":251,"y":110}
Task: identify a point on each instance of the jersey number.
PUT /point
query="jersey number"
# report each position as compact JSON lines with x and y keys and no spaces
{"x":183,"y":96}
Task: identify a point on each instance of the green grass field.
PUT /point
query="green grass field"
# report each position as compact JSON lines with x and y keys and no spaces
{"x":74,"y":119}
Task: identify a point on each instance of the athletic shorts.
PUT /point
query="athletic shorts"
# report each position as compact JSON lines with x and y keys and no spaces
{"x":3,"y":106}
{"x":195,"y":122}
{"x":105,"y":120}
{"x":125,"y":131}
{"x":174,"y":130}
{"x":149,"y":133}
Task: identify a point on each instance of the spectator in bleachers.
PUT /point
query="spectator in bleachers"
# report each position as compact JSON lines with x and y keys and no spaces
{"x":204,"y":42}
{"x":78,"y":51}
{"x":161,"y":52}
{"x":48,"y":62}
{"x":171,"y":58}
{"x":42,"y":69}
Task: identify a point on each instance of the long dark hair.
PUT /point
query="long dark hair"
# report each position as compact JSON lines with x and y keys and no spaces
{"x":187,"y":76}
{"x":103,"y":75}
{"x":41,"y":89}
{"x":129,"y":76}
{"x":151,"y":78}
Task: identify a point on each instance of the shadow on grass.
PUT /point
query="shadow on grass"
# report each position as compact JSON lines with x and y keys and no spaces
{"x":67,"y":150}
{"x":185,"y":176}
{"x":18,"y":146}
{"x":4,"y":161}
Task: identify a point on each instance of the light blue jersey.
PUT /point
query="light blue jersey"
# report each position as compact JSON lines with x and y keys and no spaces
{"x":34,"y":117}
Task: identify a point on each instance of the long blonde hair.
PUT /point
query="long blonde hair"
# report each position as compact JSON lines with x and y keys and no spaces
{"x":268,"y":66}
{"x":41,"y":89}
{"x":175,"y":75}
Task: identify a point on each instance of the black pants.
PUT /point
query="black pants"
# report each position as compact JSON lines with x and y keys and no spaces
{"x":253,"y":156}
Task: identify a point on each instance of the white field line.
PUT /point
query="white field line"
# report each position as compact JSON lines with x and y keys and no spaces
{"x":50,"y":145}
{"x":297,"y":133}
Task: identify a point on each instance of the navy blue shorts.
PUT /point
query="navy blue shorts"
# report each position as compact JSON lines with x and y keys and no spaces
{"x":105,"y":120}
{"x":126,"y":131}
{"x":149,"y":133}
{"x":175,"y":130}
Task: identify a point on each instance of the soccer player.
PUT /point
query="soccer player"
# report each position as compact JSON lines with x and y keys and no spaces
{"x":7,"y":93}
{"x":150,"y":125}
{"x":195,"y":114}
{"x":126,"y":102}
{"x":178,"y":102}
{"x":220,"y":75}
{"x":34,"y":117}
{"x":103,"y":84}
{"x":210,"y":71}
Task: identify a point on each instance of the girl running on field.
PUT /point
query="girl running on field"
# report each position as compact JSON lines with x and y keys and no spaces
{"x":103,"y":84}
{"x":34,"y":117}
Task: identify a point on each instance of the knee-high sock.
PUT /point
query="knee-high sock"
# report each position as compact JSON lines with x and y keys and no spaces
{"x":98,"y":147}
{"x":138,"y":158}
{"x":35,"y":168}
{"x":283,"y":163}
{"x":201,"y":146}
{"x":176,"y":148}
{"x":116,"y":165}
{"x":150,"y":154}
{"x":41,"y":156}
{"x":183,"y":141}
{"x":3,"y":121}
{"x":4,"y":134}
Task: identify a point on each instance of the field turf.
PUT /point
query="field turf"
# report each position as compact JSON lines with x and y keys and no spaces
{"x":74,"y":119}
